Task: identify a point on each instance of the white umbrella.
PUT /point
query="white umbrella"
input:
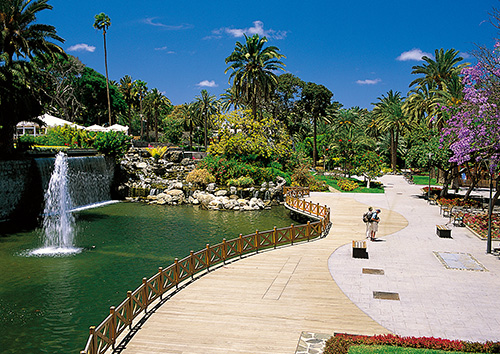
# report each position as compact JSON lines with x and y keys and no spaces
{"x":119,"y":128}
{"x":96,"y":128}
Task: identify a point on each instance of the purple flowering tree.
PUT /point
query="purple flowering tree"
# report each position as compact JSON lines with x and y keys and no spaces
{"x":473,"y":126}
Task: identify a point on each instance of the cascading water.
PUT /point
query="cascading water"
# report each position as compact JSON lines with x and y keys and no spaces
{"x":58,"y":221}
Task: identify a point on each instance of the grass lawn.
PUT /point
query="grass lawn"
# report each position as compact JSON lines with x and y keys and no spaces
{"x":424,"y":180}
{"x":376,"y":349}
{"x":332,"y":182}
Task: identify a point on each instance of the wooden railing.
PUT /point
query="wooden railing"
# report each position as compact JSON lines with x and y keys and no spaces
{"x":120,"y":318}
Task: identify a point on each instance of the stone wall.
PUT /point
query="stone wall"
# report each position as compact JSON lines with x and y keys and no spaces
{"x":19,"y":190}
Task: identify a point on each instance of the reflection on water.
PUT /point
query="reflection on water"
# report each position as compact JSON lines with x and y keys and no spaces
{"x":48,"y":303}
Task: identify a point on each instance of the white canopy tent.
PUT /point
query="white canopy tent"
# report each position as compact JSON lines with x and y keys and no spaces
{"x":96,"y":128}
{"x":33,"y":128}
{"x":119,"y":128}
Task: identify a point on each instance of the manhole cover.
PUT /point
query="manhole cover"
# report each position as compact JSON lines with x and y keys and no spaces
{"x":460,"y":261}
{"x":373,"y":271}
{"x":382,"y":295}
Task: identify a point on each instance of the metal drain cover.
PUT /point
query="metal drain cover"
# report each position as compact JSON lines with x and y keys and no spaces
{"x":373,"y":271}
{"x":460,"y":261}
{"x":382,"y":295}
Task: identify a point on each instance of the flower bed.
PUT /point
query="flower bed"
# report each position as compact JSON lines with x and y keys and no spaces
{"x":452,"y":202}
{"x":340,"y":343}
{"x":434,"y":190}
{"x":478,"y":223}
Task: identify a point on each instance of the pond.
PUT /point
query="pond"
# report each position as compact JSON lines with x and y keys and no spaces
{"x":48,"y":303}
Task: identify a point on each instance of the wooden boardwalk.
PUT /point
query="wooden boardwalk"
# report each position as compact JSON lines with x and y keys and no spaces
{"x":262,"y":303}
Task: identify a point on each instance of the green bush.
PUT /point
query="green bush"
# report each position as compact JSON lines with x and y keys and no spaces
{"x":347,"y":185}
{"x":114,"y":144}
{"x":200,"y":177}
{"x":241,"y":182}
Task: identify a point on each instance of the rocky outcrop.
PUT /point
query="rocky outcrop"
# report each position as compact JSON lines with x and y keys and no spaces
{"x":162,"y":182}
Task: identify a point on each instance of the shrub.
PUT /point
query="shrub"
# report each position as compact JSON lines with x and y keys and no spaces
{"x":114,"y":144}
{"x":347,"y":185}
{"x":200,"y":177}
{"x":241,"y":182}
{"x":157,"y":152}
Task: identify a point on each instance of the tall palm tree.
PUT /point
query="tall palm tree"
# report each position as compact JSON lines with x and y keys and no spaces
{"x":127,"y":88}
{"x":389,"y":116}
{"x":205,"y":106}
{"x":102,"y":22}
{"x":229,"y":100}
{"x":253,"y":68}
{"x":156,"y":102}
{"x":21,"y":37}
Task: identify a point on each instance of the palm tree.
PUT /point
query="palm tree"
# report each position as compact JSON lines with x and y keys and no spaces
{"x":141,"y":90}
{"x":253,"y":70}
{"x":21,"y":37}
{"x":102,"y":22}
{"x":389,"y":116}
{"x":189,"y":119}
{"x":127,"y":88}
{"x":229,"y":99}
{"x":438,"y":71}
{"x":205,"y":106}
{"x":156,"y":102}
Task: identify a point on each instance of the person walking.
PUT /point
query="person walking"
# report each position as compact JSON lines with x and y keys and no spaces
{"x":375,"y":219}
{"x":366,"y":219}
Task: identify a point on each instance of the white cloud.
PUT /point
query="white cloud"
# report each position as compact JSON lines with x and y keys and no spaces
{"x":206,"y":83}
{"x":414,"y":54}
{"x":257,"y":28}
{"x":368,"y":82}
{"x":152,"y":22}
{"x":81,"y":47}
{"x":163,"y":49}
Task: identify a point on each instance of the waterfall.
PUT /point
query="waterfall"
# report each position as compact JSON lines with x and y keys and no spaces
{"x":58,"y":221}
{"x":69,"y":184}
{"x":90,"y":179}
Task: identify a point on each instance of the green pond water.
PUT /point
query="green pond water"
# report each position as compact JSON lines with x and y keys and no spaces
{"x":48,"y":303}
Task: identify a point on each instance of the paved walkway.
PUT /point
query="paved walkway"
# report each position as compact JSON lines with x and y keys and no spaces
{"x":434,"y":300}
{"x":263,"y":303}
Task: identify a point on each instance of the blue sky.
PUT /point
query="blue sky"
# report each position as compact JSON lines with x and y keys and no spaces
{"x":358,"y":49}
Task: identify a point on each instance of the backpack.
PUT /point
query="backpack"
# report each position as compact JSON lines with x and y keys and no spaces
{"x":367,"y":217}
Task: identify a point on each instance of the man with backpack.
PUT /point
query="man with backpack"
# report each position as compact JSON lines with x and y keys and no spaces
{"x":374,"y":224}
{"x":367,"y":217}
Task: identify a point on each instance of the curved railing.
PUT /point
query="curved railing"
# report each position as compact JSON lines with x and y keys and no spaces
{"x":120,"y":318}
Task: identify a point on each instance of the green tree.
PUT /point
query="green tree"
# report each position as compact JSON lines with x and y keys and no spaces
{"x":127,"y":89}
{"x":189,"y":119}
{"x":390,"y":118}
{"x":253,"y":70}
{"x":156,"y":104}
{"x":21,"y":37}
{"x":102,"y":22}
{"x":141,"y":89}
{"x":92,"y":93}
{"x":205,"y":105}
{"x":316,"y":99}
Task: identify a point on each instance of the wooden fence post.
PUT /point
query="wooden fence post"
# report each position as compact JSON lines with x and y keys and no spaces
{"x":191,"y":264}
{"x":308,"y":231}
{"x":176,"y":273}
{"x":275,"y":238}
{"x":145,"y":294}
{"x":207,"y":257}
{"x":112,"y":327}
{"x":292,"y":233}
{"x":160,"y":282}
{"x":93,"y":342}
{"x":257,"y":241}
{"x":130,"y":309}
{"x":224,"y":251}
{"x":240,"y":245}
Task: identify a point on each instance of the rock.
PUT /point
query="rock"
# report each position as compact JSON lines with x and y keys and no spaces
{"x":233,"y":190}
{"x":141,"y":165}
{"x":175,"y":192}
{"x":211,"y":187}
{"x":220,"y":193}
{"x":175,"y":155}
{"x":233,"y":196}
{"x":186,"y":161}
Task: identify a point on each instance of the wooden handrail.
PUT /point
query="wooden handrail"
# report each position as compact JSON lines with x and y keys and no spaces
{"x":106,"y":334}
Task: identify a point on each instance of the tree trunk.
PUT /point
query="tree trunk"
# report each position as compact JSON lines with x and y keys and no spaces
{"x":107,"y":80}
{"x":393,"y":151}
{"x":191,"y":135}
{"x":156,"y":126}
{"x":206,"y":131}
{"x":315,"y":157}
